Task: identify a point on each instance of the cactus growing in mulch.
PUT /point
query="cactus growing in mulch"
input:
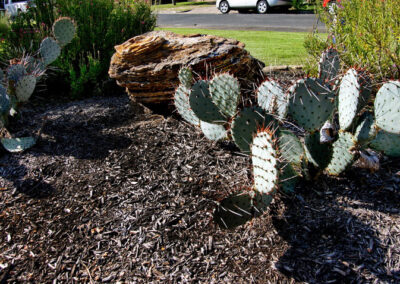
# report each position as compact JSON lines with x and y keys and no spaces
{"x":336,"y":127}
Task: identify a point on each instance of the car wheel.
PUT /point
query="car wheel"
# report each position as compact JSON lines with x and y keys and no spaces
{"x":224,"y":7}
{"x":262,"y":7}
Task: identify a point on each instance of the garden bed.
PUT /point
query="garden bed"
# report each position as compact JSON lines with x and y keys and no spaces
{"x":114,"y":192}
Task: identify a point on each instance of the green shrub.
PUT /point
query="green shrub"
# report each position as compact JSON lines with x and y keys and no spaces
{"x":101,"y":24}
{"x":4,"y":25}
{"x":298,"y":4}
{"x":366,"y":34}
{"x":86,"y":80}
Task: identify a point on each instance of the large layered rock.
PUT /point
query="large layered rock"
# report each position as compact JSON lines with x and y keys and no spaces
{"x":147,"y":65}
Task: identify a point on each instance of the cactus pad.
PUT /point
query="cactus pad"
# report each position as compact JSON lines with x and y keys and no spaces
{"x":266,"y":94}
{"x":329,"y":64}
{"x":202,"y":105}
{"x":245,"y":126}
{"x":319,"y":154}
{"x":354,"y":92}
{"x":181,"y":100}
{"x":343,"y":155}
{"x":272,"y":98}
{"x":64,"y":30}
{"x":49,"y":50}
{"x":25,"y":87}
{"x":288,"y":179}
{"x":234,"y":210}
{"x":15,"y":145}
{"x":237,"y":209}
{"x":15,"y":72}
{"x":213,"y":132}
{"x":387,"y":107}
{"x":265,"y":162}
{"x":389,"y":143}
{"x":185,"y":77}
{"x":366,"y":130}
{"x":311,"y":103}
{"x":261,"y":201}
{"x":225,"y":93}
{"x":4,"y":100}
{"x":290,"y":147}
{"x":34,"y":66}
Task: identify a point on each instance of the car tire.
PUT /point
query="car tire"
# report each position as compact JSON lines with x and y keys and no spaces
{"x":262,"y":7}
{"x":224,"y":7}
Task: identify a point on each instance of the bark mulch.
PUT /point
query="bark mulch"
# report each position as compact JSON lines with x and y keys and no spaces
{"x":113,"y":192}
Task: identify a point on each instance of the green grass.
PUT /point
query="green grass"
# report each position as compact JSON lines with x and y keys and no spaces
{"x":273,"y":48}
{"x":181,"y":5}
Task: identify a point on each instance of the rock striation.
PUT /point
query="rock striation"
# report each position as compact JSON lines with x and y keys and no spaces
{"x":147,"y":65}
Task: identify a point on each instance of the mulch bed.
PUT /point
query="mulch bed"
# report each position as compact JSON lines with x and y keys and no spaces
{"x":113,"y":192}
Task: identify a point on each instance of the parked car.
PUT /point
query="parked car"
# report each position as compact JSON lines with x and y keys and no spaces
{"x":261,"y":6}
{"x":13,"y":7}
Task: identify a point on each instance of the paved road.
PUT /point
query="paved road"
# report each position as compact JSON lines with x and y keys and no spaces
{"x":268,"y":22}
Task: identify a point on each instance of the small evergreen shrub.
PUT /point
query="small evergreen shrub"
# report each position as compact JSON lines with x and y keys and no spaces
{"x":366,"y":33}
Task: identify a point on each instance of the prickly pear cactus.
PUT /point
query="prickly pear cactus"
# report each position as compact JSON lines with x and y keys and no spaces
{"x":49,"y":50}
{"x":202,"y":105}
{"x":182,"y":104}
{"x":16,"y":145}
{"x":237,"y":209}
{"x":245,"y":126}
{"x":225,"y":93}
{"x":4,"y":101}
{"x":234,"y":210}
{"x":290,"y":147}
{"x":288,"y":178}
{"x":311,"y":103}
{"x":64,"y":31}
{"x":266,"y":94}
{"x":317,"y":153}
{"x":24,"y":88}
{"x":185,"y":77}
{"x":15,"y":72}
{"x":261,"y":202}
{"x":34,"y":66}
{"x":213,"y":132}
{"x":329,"y":64}
{"x":272,"y":98}
{"x":354,"y":93}
{"x":265,"y":162}
{"x":389,"y":143}
{"x":366,"y":129}
{"x":343,"y":153}
{"x":387,"y":107}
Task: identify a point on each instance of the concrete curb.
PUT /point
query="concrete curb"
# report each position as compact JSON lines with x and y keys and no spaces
{"x":293,"y":68}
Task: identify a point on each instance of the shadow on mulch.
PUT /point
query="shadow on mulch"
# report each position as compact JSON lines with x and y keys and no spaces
{"x":72,"y":131}
{"x":337,"y":243}
{"x":67,"y":131}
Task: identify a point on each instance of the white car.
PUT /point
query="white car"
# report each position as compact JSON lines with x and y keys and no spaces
{"x":261,"y":6}
{"x":13,"y":7}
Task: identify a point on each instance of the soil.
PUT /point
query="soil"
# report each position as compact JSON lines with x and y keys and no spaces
{"x":113,"y":192}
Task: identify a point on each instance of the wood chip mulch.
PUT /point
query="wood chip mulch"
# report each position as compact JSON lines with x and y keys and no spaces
{"x":115,"y":193}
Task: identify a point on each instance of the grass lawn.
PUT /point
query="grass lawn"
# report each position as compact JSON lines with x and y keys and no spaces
{"x":273,"y":48}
